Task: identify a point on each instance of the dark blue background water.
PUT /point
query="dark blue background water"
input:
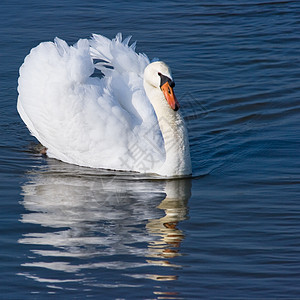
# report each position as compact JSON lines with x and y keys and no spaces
{"x":230,"y":232}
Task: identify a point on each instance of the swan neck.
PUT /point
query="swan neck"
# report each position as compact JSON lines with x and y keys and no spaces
{"x":175,"y":135}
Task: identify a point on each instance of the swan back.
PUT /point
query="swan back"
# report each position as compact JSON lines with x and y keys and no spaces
{"x":103,"y":122}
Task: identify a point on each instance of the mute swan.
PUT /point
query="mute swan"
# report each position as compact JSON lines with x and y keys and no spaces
{"x":127,"y":120}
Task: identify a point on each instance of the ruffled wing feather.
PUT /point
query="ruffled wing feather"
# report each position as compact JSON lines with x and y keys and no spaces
{"x":84,"y":120}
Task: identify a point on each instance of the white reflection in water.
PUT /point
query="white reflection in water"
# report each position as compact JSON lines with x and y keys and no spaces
{"x":90,"y":215}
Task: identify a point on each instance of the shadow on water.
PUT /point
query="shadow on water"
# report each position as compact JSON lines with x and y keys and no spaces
{"x":86,"y":225}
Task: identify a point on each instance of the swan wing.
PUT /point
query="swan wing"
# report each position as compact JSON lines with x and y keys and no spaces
{"x":86,"y":120}
{"x":125,"y":68}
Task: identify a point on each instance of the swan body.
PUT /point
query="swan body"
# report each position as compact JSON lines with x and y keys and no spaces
{"x":127,"y":120}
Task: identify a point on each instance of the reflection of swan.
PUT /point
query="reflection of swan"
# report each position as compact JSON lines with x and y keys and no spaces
{"x":93,"y":221}
{"x":174,"y":206}
{"x":128,"y":120}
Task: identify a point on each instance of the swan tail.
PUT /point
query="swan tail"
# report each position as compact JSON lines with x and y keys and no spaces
{"x":49,"y":79}
{"x":117,"y":55}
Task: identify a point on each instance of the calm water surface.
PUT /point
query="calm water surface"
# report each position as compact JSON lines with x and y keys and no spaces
{"x":230,"y":232}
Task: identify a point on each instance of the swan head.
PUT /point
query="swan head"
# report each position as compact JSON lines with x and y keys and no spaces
{"x":158,"y":75}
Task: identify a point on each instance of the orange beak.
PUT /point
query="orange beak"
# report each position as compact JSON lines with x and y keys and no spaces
{"x":170,"y":96}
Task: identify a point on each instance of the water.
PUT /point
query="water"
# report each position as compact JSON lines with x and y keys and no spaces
{"x":232,"y":231}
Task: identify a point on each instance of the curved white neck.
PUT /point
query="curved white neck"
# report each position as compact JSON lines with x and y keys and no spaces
{"x":174,"y":132}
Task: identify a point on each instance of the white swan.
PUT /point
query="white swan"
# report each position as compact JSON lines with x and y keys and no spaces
{"x":109,"y":122}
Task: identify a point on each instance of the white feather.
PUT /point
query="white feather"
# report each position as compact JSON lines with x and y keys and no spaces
{"x":121,"y":121}
{"x":102,"y":123}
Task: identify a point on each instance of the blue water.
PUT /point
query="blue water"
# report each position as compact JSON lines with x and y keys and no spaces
{"x":230,"y":232}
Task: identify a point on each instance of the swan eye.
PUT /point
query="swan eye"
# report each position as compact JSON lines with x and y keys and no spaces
{"x":164,"y":79}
